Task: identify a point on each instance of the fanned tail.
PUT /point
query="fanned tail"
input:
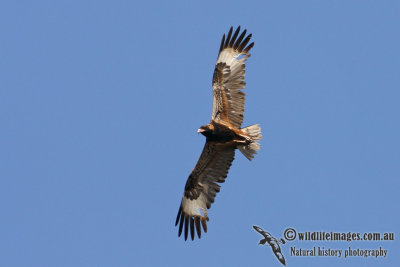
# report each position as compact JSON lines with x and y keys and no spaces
{"x":254,"y":132}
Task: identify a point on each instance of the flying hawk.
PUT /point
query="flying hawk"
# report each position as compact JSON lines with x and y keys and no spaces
{"x":223,"y":134}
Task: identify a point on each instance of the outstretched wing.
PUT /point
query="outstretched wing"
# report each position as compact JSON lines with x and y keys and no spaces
{"x":202,"y":186}
{"x":228,"y":79}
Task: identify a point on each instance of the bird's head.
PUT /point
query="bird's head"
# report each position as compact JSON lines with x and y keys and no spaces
{"x":206,"y":130}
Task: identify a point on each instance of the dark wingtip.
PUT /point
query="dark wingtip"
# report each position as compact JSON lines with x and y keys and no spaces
{"x":233,"y":39}
{"x":222,"y":43}
{"x":228,"y":37}
{"x":192,"y":228}
{"x":247,"y":49}
{"x":236,"y":41}
{"x":239,"y":40}
{"x":178,"y":216}
{"x":198,"y":229}
{"x":181,"y":224}
{"x":244,"y":43}
{"x":192,"y":224}
{"x":186,"y":227}
{"x":204,"y":224}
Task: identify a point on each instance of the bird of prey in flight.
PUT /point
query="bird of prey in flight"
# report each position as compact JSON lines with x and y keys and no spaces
{"x":223,"y":134}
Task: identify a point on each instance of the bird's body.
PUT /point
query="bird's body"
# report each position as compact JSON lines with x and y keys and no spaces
{"x":223,"y":134}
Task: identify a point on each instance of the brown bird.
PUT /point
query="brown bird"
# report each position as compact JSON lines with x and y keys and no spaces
{"x":223,"y":134}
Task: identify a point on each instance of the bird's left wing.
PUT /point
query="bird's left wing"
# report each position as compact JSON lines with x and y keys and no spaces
{"x":228,"y":79}
{"x":202,"y":186}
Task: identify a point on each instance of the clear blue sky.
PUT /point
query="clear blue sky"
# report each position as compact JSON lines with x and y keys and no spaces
{"x":99,"y":106}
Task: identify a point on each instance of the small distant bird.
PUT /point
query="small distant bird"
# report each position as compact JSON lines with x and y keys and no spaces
{"x":223,"y":134}
{"x":273,"y":242}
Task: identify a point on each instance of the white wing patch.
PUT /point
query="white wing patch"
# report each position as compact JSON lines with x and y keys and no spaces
{"x":195,"y":207}
{"x":230,"y":57}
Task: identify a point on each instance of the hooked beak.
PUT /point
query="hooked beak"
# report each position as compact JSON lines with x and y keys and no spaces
{"x":200,"y":130}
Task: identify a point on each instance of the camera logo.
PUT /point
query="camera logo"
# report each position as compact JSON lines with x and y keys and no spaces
{"x":274,"y":243}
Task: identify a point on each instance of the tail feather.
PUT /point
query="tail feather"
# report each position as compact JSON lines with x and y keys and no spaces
{"x":254,"y":132}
